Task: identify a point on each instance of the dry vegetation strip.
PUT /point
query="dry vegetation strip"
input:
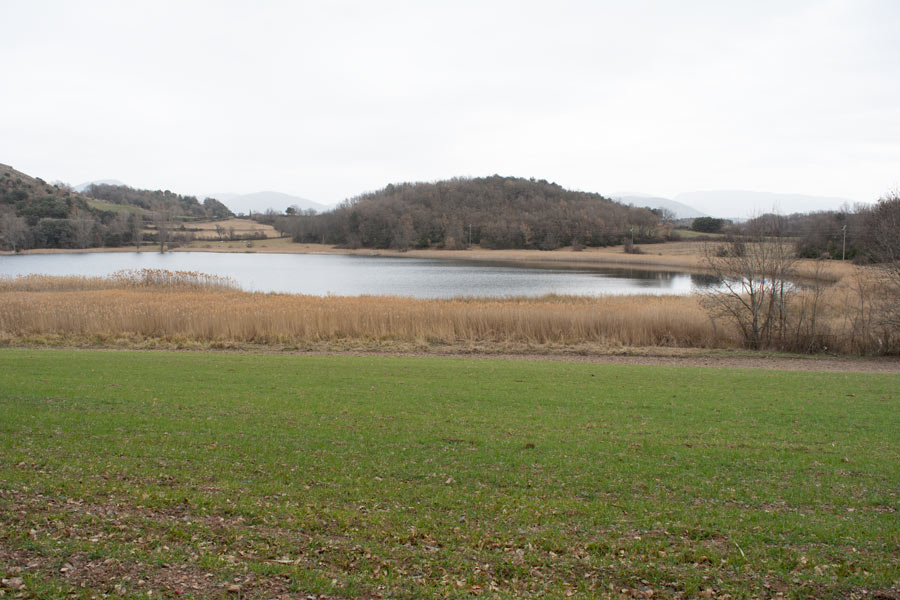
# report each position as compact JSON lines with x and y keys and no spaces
{"x":196,"y":309}
{"x":241,"y":317}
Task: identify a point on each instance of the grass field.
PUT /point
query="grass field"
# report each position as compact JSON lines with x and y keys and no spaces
{"x":152,"y":474}
{"x":116,"y":208}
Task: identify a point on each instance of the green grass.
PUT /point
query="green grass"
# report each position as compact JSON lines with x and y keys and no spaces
{"x":117,"y":208}
{"x":181,"y":474}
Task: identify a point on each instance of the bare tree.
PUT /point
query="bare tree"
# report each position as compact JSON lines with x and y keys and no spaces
{"x":884,"y":226}
{"x":162,"y":219}
{"x":137,"y":230}
{"x":403,"y":233}
{"x":755,"y":271}
{"x":12,"y":230}
{"x":118,"y":228}
{"x":83,"y":225}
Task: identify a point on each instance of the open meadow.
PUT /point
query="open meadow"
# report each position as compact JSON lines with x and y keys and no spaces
{"x":201,"y":475}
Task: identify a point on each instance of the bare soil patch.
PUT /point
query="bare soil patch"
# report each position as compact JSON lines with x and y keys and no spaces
{"x":675,"y":357}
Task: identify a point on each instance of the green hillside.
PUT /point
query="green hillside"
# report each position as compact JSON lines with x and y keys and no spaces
{"x":36,"y":214}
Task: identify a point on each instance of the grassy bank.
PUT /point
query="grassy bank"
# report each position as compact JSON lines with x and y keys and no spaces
{"x":187,"y":475}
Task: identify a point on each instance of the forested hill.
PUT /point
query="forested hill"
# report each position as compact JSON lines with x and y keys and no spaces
{"x":185,"y":207}
{"x":35,"y":214}
{"x":495,"y":212}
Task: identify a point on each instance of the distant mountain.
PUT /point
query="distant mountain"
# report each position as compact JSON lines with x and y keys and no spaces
{"x":259,"y":202}
{"x":681,"y":210}
{"x":743,"y":204}
{"x":82,"y":187}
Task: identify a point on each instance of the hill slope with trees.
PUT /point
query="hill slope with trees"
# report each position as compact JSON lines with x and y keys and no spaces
{"x":495,"y":212}
{"x":36,"y":214}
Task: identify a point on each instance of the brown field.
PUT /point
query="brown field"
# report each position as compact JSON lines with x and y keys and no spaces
{"x":206,"y":230}
{"x":270,"y":245}
{"x":151,"y":308}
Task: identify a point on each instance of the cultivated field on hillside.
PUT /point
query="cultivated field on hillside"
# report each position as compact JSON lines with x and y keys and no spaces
{"x":230,"y":228}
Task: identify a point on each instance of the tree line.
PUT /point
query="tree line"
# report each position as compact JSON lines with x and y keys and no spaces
{"x":494,"y":212}
{"x":862,"y":234}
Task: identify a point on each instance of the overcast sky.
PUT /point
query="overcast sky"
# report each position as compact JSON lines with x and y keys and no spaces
{"x":329,"y":99}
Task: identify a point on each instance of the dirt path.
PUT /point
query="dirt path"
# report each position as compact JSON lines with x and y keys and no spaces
{"x":679,"y":358}
{"x":649,"y":356}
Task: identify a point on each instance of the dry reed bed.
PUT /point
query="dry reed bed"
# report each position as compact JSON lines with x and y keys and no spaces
{"x":147,"y":279}
{"x":288,"y":319}
{"x":203,"y":309}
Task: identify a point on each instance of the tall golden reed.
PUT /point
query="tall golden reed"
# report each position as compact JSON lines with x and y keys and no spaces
{"x":191,"y":306}
{"x":185,"y":307}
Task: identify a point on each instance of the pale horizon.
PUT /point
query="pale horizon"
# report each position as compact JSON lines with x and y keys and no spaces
{"x":329,"y":100}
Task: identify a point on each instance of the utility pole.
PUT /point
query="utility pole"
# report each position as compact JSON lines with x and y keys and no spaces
{"x":469,"y":245}
{"x":844,"y":244}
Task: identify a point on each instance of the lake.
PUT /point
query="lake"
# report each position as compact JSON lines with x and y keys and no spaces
{"x":347,"y":275}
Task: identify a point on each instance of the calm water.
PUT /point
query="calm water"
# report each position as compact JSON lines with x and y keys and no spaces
{"x":344,"y":275}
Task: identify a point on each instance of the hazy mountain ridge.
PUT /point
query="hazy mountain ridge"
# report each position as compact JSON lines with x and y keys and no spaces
{"x":737,"y":205}
{"x":260,"y":202}
{"x":83,"y":187}
{"x":679,"y":209}
{"x":746,"y":204}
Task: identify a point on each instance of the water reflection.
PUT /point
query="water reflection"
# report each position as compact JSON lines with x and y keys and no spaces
{"x":703,"y":281}
{"x":370,"y":275}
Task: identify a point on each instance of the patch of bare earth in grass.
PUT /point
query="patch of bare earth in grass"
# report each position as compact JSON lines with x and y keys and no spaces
{"x":234,"y":543}
{"x":140,"y":568}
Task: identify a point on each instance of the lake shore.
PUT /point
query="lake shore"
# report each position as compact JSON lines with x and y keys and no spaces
{"x":682,"y":257}
{"x":674,"y":257}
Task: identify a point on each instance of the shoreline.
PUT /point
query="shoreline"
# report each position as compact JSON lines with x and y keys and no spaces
{"x":673,"y":257}
{"x":676,"y":258}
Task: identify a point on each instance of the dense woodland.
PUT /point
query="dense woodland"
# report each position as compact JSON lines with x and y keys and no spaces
{"x":35,"y":214}
{"x":494,"y":212}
